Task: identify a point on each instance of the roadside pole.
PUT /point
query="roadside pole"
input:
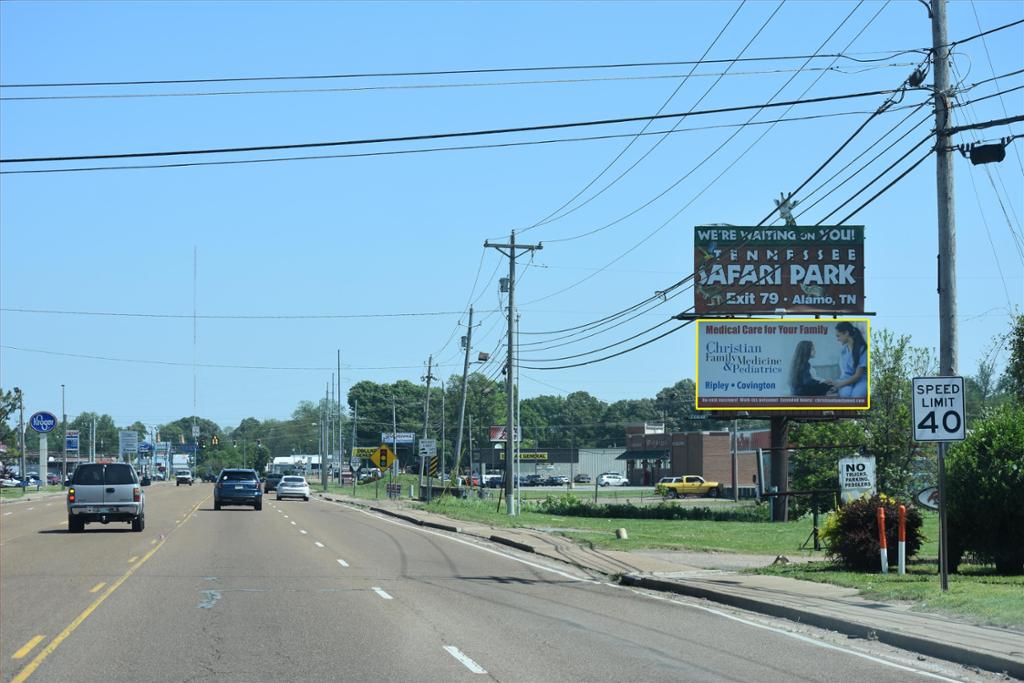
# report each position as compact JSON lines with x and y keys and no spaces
{"x":355,"y":419}
{"x":394,"y":437}
{"x":21,"y":432}
{"x":327,"y":434}
{"x":948,"y":332}
{"x":512,"y":253}
{"x":64,"y":447}
{"x":735,"y":465}
{"x":467,"y":344}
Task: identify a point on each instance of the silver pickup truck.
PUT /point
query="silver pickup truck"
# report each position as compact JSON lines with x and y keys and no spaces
{"x":105,"y":493}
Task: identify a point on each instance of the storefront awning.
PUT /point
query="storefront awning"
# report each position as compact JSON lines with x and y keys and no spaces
{"x":660,"y":454}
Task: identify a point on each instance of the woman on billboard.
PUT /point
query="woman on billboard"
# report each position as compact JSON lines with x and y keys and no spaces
{"x":853,"y":362}
{"x":801,"y":380}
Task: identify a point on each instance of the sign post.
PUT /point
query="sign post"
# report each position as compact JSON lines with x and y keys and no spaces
{"x":939,"y":414}
{"x":42,"y":422}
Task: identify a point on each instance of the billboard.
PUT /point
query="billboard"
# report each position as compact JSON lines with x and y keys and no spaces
{"x":500,"y":433}
{"x":791,"y":269}
{"x":403,"y":437}
{"x":783,"y":364}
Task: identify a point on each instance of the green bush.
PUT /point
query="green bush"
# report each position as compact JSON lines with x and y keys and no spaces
{"x":570,"y":506}
{"x":984,"y":481}
{"x":851,"y":533}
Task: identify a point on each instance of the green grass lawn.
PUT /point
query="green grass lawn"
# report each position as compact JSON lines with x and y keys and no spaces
{"x":16,"y":492}
{"x":975,"y":593}
{"x":746,"y":537}
{"x":372,"y":491}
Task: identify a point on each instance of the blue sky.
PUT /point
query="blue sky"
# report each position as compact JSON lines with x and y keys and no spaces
{"x":404,"y":233}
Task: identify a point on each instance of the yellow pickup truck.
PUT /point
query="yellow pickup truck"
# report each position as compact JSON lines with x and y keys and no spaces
{"x":688,"y":485}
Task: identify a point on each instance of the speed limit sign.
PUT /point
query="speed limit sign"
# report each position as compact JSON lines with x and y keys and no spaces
{"x":938,"y":408}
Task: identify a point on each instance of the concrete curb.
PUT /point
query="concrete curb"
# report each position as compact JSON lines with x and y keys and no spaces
{"x":416,"y":520}
{"x":513,"y":544}
{"x":938,"y":650}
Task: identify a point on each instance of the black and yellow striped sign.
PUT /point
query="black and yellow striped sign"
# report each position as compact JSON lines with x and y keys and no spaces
{"x":432,"y":471}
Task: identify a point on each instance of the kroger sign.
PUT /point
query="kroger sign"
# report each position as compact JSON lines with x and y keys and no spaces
{"x":43,"y":421}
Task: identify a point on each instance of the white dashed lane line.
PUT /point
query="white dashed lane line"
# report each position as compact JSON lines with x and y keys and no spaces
{"x":466,"y":661}
{"x":293,"y":523}
{"x":303,"y":531}
{"x":343,"y":563}
{"x":382,"y":593}
{"x":318,"y":544}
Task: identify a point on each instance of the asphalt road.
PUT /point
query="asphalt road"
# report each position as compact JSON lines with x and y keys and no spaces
{"x":319,"y":591}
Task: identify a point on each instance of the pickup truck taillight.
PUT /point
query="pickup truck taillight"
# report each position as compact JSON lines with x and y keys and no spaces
{"x":136,"y":494}
{"x":71,"y":495}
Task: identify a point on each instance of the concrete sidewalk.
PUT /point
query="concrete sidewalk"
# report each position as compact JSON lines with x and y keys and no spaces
{"x":717,"y":577}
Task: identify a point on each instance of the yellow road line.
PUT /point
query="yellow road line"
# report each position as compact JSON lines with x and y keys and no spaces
{"x":98,"y":586}
{"x":27,"y":647}
{"x":30,"y":668}
{"x":132,"y":558}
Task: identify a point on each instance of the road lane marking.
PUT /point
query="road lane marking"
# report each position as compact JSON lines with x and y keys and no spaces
{"x":8,"y":513}
{"x":303,"y":531}
{"x":286,"y":516}
{"x":466,"y":661}
{"x":98,"y":586}
{"x":382,"y":593}
{"x":152,"y":542}
{"x":31,"y":509}
{"x":293,"y":523}
{"x":318,"y":544}
{"x":27,"y":647}
{"x":29,"y":668}
{"x":132,"y":559}
{"x":343,"y":563}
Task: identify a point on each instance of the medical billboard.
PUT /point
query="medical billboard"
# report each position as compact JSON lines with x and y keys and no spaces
{"x":785,"y":364}
{"x":778,"y":269}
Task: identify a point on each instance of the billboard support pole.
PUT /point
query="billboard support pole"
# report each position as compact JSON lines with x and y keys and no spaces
{"x":780,"y":466}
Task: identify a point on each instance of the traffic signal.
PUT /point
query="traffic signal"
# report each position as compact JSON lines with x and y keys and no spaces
{"x":259,"y":442}
{"x":202,"y":443}
{"x":215,"y":440}
{"x":181,"y":438}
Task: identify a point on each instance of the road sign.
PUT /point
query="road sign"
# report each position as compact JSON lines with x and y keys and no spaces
{"x":432,"y":469}
{"x":500,"y":433}
{"x":938,"y":408}
{"x":383,"y":457}
{"x":363,"y":452}
{"x":195,"y":431}
{"x":428,"y":448}
{"x":145,"y":447}
{"x":857,"y":477}
{"x":43,"y":421}
{"x":127,"y":442}
{"x":403,"y":437}
{"x":71,"y":440}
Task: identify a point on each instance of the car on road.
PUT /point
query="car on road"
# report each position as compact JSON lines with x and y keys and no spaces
{"x":612,"y":479}
{"x":271,"y":481}
{"x":293,"y":487}
{"x":582,"y":479}
{"x":105,"y":493}
{"x":238,"y":487}
{"x":52,"y":478}
{"x":183,"y":477}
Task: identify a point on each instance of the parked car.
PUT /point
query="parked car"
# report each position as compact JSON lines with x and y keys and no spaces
{"x":369,"y":474}
{"x":9,"y":483}
{"x":688,"y":485}
{"x":271,"y":481}
{"x":293,"y":487}
{"x":237,"y":487}
{"x":582,"y":479}
{"x":105,"y":493}
{"x":52,"y":478}
{"x":557,"y":480}
{"x":532,"y":480}
{"x":612,"y":479}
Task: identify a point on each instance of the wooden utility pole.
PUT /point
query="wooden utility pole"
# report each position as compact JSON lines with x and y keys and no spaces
{"x":468,"y":344}
{"x":512,"y":252}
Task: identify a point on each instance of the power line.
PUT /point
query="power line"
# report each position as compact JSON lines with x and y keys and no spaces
{"x":457,"y":148}
{"x":553,"y":215}
{"x":426,"y":86}
{"x":289,"y":316}
{"x":449,"y":72}
{"x":438,"y":136}
{"x":985,"y":33}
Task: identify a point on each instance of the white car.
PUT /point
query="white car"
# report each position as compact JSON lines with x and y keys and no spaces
{"x":612,"y":479}
{"x":293,"y":487}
